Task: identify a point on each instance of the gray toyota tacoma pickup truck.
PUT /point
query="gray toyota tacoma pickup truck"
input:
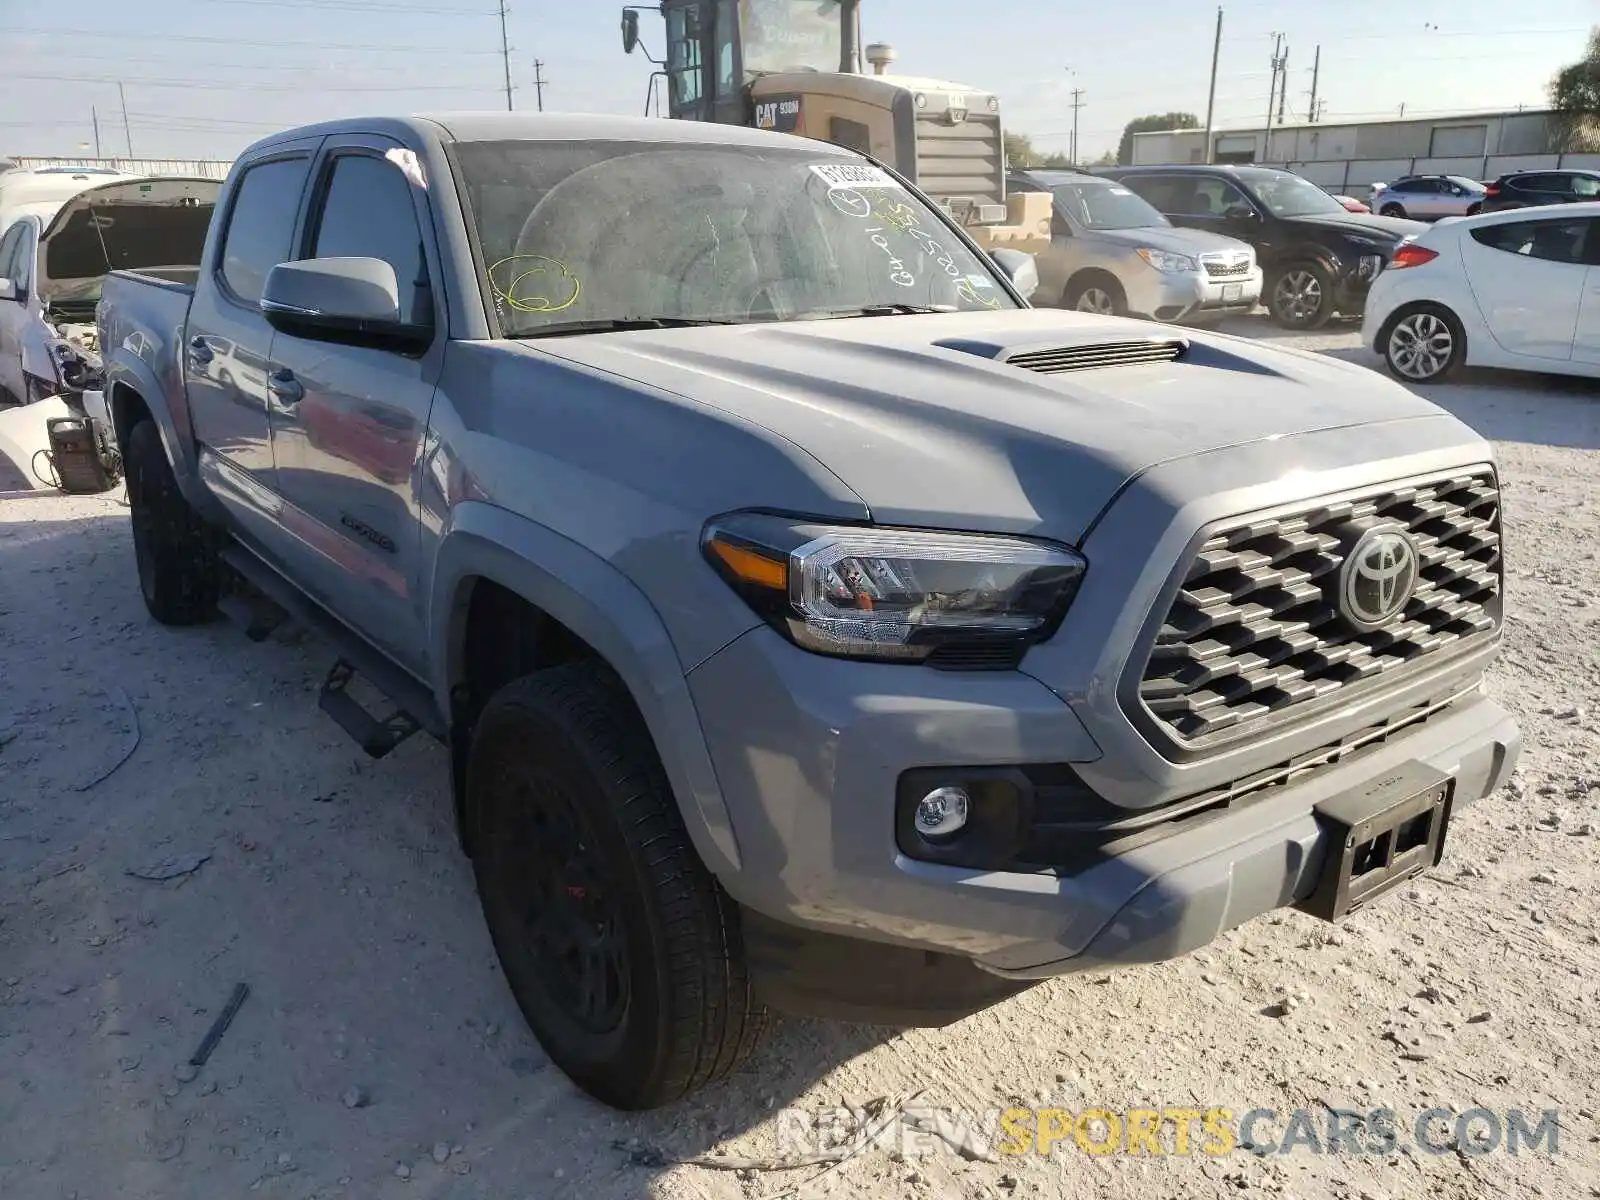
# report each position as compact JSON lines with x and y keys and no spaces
{"x":812,"y":624}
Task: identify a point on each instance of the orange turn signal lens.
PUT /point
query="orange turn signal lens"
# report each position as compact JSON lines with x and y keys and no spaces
{"x":751,"y":567}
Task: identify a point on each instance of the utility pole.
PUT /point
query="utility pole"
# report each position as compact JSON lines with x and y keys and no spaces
{"x":539,"y":80}
{"x":1211,"y":96}
{"x":94,"y":115}
{"x":1077,"y":103}
{"x":505,"y":53}
{"x":127,"y":130}
{"x":1316,"y":66}
{"x":1272,"y":94}
{"x":1283,"y":83}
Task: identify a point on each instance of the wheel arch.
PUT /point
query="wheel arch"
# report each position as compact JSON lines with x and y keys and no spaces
{"x":1084,"y":276}
{"x":133,"y":392}
{"x":502,"y":582}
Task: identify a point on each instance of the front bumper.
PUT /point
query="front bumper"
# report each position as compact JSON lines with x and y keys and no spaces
{"x":1174,"y":296}
{"x":809,"y":750}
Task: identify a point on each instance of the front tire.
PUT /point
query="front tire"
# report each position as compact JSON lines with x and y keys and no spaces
{"x":619,"y":946}
{"x":1098,"y":294}
{"x":180,"y":572}
{"x":1300,"y":297}
{"x":1423,"y":344}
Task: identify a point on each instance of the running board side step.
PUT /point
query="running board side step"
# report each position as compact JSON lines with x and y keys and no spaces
{"x":376,"y":737}
{"x":414,"y":705}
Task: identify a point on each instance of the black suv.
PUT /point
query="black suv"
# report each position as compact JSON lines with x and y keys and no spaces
{"x":1524,"y":189}
{"x":1319,"y":258}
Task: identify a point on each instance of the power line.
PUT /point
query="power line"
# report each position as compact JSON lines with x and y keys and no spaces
{"x":229,"y":41}
{"x":364,"y":6}
{"x":219,"y":85}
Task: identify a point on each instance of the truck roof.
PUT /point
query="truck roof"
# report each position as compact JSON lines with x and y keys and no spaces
{"x":516,"y":126}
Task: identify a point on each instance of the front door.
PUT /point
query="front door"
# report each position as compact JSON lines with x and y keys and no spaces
{"x":348,"y":420}
{"x":1528,"y":278}
{"x":1586,"y":340}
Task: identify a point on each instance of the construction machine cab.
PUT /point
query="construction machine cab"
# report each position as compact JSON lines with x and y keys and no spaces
{"x":794,"y":66}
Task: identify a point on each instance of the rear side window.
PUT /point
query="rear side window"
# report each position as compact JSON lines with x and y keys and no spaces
{"x":368,"y":213}
{"x":1560,"y":241}
{"x":1541,"y":183}
{"x":10,"y":254}
{"x":1168,"y":193}
{"x":261,"y":224}
{"x":1585,"y":187}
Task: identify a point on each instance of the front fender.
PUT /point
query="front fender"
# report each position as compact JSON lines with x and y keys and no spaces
{"x":603,"y":607}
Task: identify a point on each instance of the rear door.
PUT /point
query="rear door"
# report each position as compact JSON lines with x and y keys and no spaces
{"x":1421,"y":199}
{"x":229,"y":405}
{"x":348,"y":420}
{"x":1528,"y":278}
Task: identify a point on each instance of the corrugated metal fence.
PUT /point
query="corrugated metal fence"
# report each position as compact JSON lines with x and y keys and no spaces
{"x":205,"y":167}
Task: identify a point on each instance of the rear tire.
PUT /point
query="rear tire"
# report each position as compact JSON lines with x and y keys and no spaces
{"x":1423,"y":343}
{"x":1392,"y":210}
{"x":1474,"y":209}
{"x":622,"y":951}
{"x":1300,"y":296}
{"x":180,"y":572}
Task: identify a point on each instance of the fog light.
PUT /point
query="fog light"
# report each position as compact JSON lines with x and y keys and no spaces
{"x":942,"y":813}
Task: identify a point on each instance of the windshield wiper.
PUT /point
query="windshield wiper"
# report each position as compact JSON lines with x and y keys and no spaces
{"x":618,"y":324}
{"x":875,"y":310}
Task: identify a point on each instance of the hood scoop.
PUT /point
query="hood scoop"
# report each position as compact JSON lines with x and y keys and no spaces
{"x":1084,"y":354}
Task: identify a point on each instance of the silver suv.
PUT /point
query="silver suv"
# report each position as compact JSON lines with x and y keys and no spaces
{"x":1112,"y":252}
{"x":1428,"y":197}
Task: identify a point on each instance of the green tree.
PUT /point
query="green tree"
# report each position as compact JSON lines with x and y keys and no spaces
{"x":1020,"y":152}
{"x":1575,"y":96}
{"x":1151,"y":124}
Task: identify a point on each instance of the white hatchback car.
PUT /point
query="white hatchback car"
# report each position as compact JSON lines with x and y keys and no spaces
{"x":1518,"y":289}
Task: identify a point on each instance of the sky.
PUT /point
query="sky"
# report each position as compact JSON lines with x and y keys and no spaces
{"x":204,"y":78}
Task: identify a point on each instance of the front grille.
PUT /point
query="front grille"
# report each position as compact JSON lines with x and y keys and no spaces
{"x":1226,"y":268}
{"x":1256,"y":631}
{"x":1088,"y":356}
{"x":961,"y":160}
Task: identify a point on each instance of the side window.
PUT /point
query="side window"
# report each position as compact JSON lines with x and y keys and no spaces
{"x":368,"y":213}
{"x":8,"y":252}
{"x":683,"y":57}
{"x":22,"y":263}
{"x":1166,"y":193}
{"x":852,"y":134}
{"x":261,"y":224}
{"x":1585,"y":187}
{"x":727,"y":36}
{"x":1542,"y":183}
{"x":1559,"y":241}
{"x":1424,"y":187}
{"x":1215,"y":197}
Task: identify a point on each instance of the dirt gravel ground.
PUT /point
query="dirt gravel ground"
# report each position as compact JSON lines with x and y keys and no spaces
{"x":379,"y":1054}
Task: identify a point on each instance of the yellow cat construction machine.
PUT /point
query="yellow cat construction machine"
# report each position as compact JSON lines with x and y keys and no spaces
{"x":795,"y":66}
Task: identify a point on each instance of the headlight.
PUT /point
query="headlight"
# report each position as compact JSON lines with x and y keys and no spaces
{"x":1166,"y":260}
{"x":1368,"y":266}
{"x":907,"y":595}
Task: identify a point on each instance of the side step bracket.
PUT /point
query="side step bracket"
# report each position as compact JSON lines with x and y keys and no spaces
{"x":376,"y":737}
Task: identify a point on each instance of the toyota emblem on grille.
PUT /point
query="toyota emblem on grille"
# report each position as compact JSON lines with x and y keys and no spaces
{"x":1378,"y":578}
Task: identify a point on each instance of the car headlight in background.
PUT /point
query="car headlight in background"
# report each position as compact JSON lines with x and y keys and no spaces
{"x":906,"y":595}
{"x":1167,"y":261}
{"x":1368,"y":266}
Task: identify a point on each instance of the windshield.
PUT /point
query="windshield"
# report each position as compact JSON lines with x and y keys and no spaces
{"x":630,"y":231}
{"x":788,"y":35}
{"x":1287,"y":195}
{"x":1106,"y":206}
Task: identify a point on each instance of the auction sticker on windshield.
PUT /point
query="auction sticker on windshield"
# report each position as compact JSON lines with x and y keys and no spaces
{"x":854,"y":175}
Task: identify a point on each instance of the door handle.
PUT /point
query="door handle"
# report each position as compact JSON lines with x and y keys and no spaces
{"x":284,"y":387}
{"x":200,"y":352}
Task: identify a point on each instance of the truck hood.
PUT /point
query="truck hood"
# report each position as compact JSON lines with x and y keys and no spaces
{"x":133,"y":224}
{"x":1383,"y":229}
{"x":928,"y":423}
{"x":1173,"y":238}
